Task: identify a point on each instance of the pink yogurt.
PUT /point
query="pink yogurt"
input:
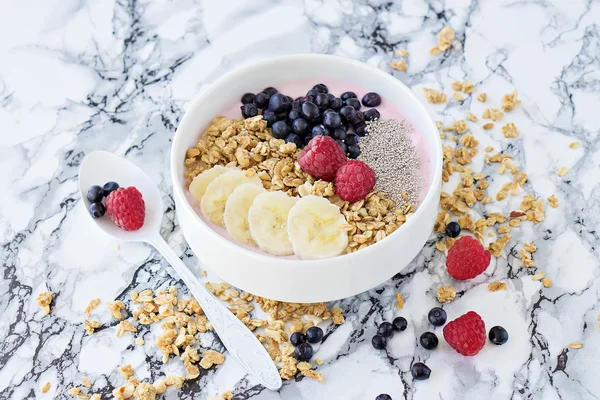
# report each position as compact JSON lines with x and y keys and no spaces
{"x":387,"y":111}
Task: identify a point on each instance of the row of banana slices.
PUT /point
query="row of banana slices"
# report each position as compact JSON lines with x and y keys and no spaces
{"x":310,"y":227}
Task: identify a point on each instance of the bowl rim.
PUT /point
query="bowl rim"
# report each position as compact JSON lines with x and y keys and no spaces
{"x":436,"y":159}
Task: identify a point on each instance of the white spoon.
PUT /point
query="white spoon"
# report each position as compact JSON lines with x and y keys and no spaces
{"x":100,"y":167}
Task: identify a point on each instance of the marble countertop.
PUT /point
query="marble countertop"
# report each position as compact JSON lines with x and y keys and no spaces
{"x":118,"y":75}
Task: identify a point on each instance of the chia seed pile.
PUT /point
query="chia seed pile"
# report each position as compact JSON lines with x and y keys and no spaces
{"x":390,"y":152}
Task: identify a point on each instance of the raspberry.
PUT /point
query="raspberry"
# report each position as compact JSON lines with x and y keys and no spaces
{"x":467,"y":258}
{"x":321,"y":158}
{"x":466,"y":334}
{"x":126,"y":208}
{"x":354,"y":180}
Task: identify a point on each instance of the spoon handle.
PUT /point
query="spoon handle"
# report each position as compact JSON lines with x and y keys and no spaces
{"x":242,"y":345}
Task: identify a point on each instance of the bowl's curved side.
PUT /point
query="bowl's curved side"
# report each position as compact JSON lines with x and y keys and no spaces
{"x":296,"y":280}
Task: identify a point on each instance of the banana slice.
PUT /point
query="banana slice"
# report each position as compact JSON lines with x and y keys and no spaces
{"x":200,"y":182}
{"x":316,"y":228}
{"x":267,"y":218}
{"x":235,"y":217}
{"x":216,"y":194}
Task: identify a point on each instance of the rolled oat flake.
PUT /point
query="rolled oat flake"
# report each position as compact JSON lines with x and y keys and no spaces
{"x":389,"y":151}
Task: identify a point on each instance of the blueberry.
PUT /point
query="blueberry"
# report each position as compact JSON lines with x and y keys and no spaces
{"x":322,"y":101}
{"x":353,"y":151}
{"x":358,"y":119}
{"x":348,"y":95}
{"x":498,"y":335}
{"x":330,"y":96}
{"x":383,"y":396}
{"x":371,"y":114}
{"x":420,"y":371}
{"x":293,"y":138}
{"x":360,"y":130}
{"x":321,"y":88}
{"x":310,"y":99}
{"x":351,"y":139}
{"x":371,"y":99}
{"x":399,"y":323}
{"x":329,"y":110}
{"x":340,"y":134}
{"x":307,"y":139}
{"x":348,"y":113}
{"x":109,"y":187}
{"x":249,"y":110}
{"x":437,"y":316}
{"x":312,"y":93}
{"x":297,"y":338}
{"x":294,"y":115}
{"x":290,"y":99}
{"x":428,"y":340}
{"x":270,"y":91}
{"x":97,"y":209}
{"x":300,"y":99}
{"x":303,"y":352}
{"x":248,"y":98}
{"x":269,"y":116}
{"x":262,"y":100}
{"x":296,"y":105}
{"x":95,"y":193}
{"x":283,"y":116}
{"x":319,"y":130}
{"x":385,"y":329}
{"x":280,"y":130}
{"x":342,"y":146}
{"x":453,"y":229}
{"x":332,"y":120}
{"x":379,"y":342}
{"x":300,"y":126}
{"x":310,"y":110}
{"x":336,"y":103}
{"x":279,"y":103}
{"x":353,"y":102}
{"x":314,"y":334}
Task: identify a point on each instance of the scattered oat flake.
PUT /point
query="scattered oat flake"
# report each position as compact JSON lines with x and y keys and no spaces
{"x":445,"y":38}
{"x":458,"y":96}
{"x":46,"y":387}
{"x":139,"y":341}
{"x":576,"y":345}
{"x":44,"y":300}
{"x":547,"y":282}
{"x":562,"y":171}
{"x":318,"y":361}
{"x":90,"y":326}
{"x":74,"y":391}
{"x":482,"y":97}
{"x":489,"y":149}
{"x":496,"y":286}
{"x":399,"y":65}
{"x":510,"y":101}
{"x":86,"y":382}
{"x":313,"y":375}
{"x":402,"y":53}
{"x":530,"y":247}
{"x":445,"y":294}
{"x":92,"y":304}
{"x":472,"y":117}
{"x":440,"y":246}
{"x":575,"y":145}
{"x":538,"y":276}
{"x":433,"y":96}
{"x":456,"y":85}
{"x":510,"y":130}
{"x":438,"y":124}
{"x":553,"y":201}
{"x":488,"y":126}
{"x":468,"y":87}
{"x":399,"y":301}
{"x":204,"y":272}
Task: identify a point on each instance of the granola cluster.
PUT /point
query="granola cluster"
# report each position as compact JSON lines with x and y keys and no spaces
{"x":248,"y":144}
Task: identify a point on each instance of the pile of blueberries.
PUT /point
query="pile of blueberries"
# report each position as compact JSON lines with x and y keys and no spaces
{"x":317,"y":113}
{"x":302,"y":342}
{"x":95,"y":195}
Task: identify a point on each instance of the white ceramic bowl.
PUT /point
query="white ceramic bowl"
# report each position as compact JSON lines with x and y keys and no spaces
{"x":304,"y":280}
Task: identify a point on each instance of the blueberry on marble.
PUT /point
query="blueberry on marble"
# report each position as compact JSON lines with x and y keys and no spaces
{"x":385,"y":329}
{"x":348,"y":95}
{"x":353,"y":151}
{"x":279,"y":103}
{"x":319,"y":130}
{"x":383,"y":396}
{"x":248,"y":98}
{"x":109,"y":187}
{"x":97,"y":209}
{"x":95,"y":193}
{"x":332,"y":120}
{"x":293,"y":138}
{"x":355,"y":103}
{"x":322,"y":101}
{"x":453,"y":229}
{"x":300,"y":127}
{"x":280,"y":130}
{"x":371,"y":99}
{"x":249,"y":110}
{"x":270,"y":91}
{"x":314,"y":334}
{"x":303,"y":352}
{"x":400,"y":324}
{"x":310,"y":110}
{"x":320,"y":88}
{"x":379,"y":342}
{"x":297,"y":338}
{"x":429,"y":340}
{"x":498,"y":335}
{"x":420,"y":371}
{"x":371,"y":114}
{"x":269,"y":116}
{"x":437,"y":316}
{"x":262,"y":100}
